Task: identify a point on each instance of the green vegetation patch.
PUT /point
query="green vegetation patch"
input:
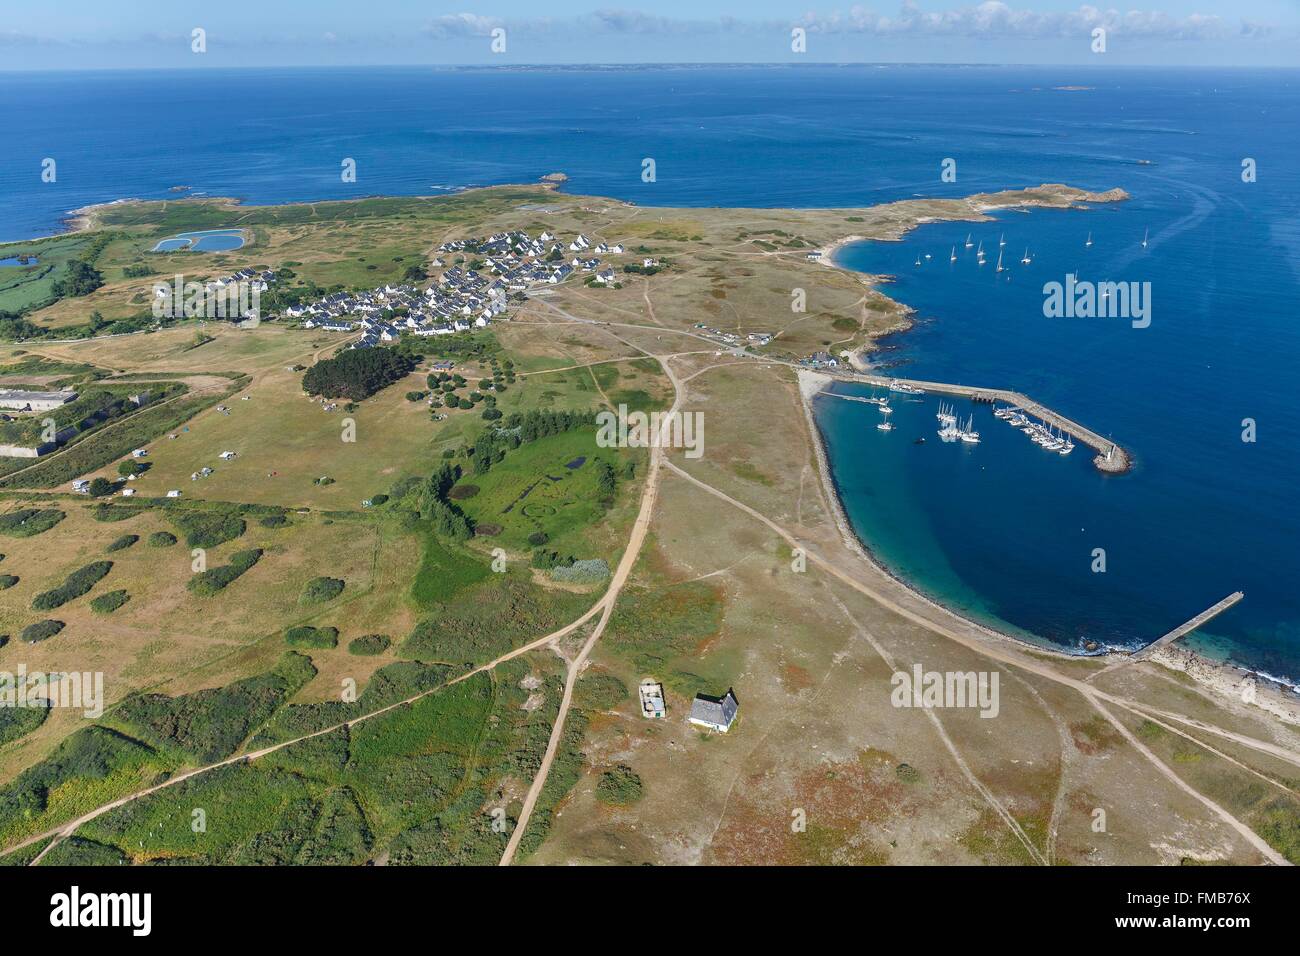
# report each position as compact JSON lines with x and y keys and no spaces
{"x":619,"y":787}
{"x":109,"y":602}
{"x":491,"y":618}
{"x":443,"y":573}
{"x":304,"y":635}
{"x":7,"y":581}
{"x":28,"y":522}
{"x":122,"y":543}
{"x":357,"y":374}
{"x":78,"y":851}
{"x":369,"y":645}
{"x":112,"y":513}
{"x":40,"y":631}
{"x":207,"y":529}
{"x":17,"y":722}
{"x":89,"y":768}
{"x":74,"y":586}
{"x":209,"y":725}
{"x":388,"y":685}
{"x":162,"y":539}
{"x":209,"y":582}
{"x":320,"y":590}
{"x":599,"y":691}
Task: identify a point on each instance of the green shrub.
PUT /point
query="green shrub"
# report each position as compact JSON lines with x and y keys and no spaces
{"x":306,"y":636}
{"x":17,"y":722}
{"x":162,"y":539}
{"x":619,"y":787}
{"x":273,"y":521}
{"x":599,"y":692}
{"x":40,"y":631}
{"x":77,"y":583}
{"x":7,"y":581}
{"x":28,"y":522}
{"x":110,"y":513}
{"x":109,"y":602}
{"x":320,"y":590}
{"x":369,"y":645}
{"x":122,"y":543}
{"x":207,"y":529}
{"x":100,"y":487}
{"x":209,"y":582}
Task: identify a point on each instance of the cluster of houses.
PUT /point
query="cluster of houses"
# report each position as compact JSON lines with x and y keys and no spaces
{"x":733,"y":339}
{"x":462,"y":298}
{"x":258,"y":281}
{"x":820,"y":360}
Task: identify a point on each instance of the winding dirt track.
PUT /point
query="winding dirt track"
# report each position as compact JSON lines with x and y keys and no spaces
{"x":639,"y":529}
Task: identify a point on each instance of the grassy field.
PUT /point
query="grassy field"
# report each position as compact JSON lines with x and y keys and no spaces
{"x":547,"y":486}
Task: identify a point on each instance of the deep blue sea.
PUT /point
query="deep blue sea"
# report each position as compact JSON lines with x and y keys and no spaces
{"x":1000,"y":530}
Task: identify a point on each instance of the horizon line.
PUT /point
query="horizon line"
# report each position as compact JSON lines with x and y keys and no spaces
{"x":647,"y":65}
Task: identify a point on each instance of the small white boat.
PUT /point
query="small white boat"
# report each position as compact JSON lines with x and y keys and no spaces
{"x":953,"y":257}
{"x":1026,"y":260}
{"x":968,"y":242}
{"x":885,"y":427}
{"x":1145,"y":236}
{"x":1089,"y":242}
{"x":1002,"y":240}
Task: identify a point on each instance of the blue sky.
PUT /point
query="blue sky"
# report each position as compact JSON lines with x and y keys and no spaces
{"x":93,"y":34}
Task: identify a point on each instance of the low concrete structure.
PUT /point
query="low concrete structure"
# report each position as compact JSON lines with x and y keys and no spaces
{"x":652,"y":699}
{"x":21,"y":400}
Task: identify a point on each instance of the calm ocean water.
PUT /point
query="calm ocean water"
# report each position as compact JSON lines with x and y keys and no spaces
{"x":1001,"y":529}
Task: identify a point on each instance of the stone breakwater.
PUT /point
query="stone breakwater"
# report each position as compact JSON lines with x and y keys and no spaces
{"x":1111,"y":457}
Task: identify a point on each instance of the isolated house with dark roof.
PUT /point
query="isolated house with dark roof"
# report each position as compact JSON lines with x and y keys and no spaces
{"x":715,"y":713}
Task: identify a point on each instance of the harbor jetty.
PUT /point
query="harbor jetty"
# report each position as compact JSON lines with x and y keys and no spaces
{"x":1111,"y":457}
{"x":1210,"y":612}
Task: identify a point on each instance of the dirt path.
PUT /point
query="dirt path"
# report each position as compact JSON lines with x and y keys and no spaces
{"x":625,"y":565}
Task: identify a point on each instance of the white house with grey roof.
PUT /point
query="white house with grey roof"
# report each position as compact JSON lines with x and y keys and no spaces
{"x":713,"y":712}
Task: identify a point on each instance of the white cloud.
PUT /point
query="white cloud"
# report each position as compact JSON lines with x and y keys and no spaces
{"x":463,"y":25}
{"x":994,"y":18}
